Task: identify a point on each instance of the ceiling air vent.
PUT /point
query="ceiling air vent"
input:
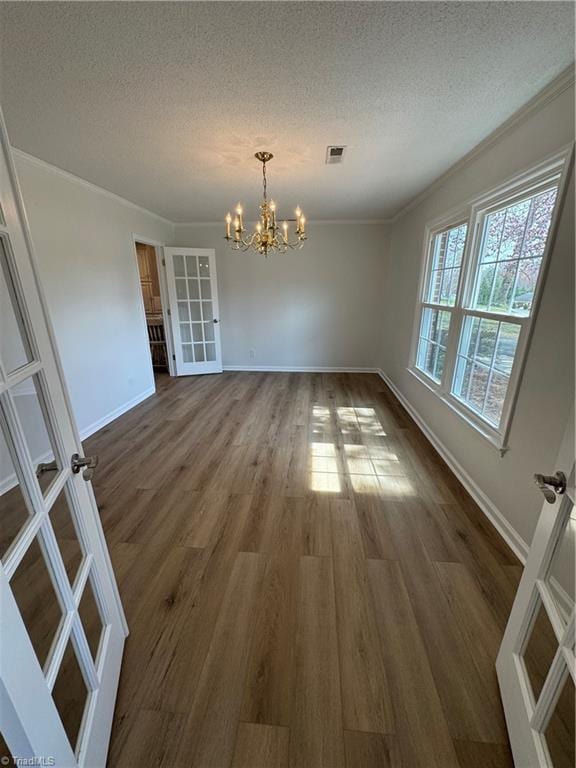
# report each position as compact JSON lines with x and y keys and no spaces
{"x":335,"y":155}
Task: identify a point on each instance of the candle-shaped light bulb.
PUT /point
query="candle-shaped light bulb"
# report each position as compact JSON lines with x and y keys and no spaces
{"x":298,"y":212}
{"x":259,"y":227}
{"x":228,"y":221}
{"x":239,"y":212}
{"x":302,"y":224}
{"x":237,"y":228}
{"x":285,"y":228}
{"x":272,"y":205}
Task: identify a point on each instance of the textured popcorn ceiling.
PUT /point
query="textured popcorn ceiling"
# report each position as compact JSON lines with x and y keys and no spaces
{"x":165,"y":103}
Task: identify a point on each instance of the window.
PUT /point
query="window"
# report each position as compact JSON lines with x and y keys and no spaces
{"x":482,"y":276}
{"x":446,"y":249}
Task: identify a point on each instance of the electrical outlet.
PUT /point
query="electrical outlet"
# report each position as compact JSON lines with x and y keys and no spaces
{"x":252,"y":353}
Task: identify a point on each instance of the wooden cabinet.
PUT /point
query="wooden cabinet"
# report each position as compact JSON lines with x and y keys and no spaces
{"x":149,"y":277}
{"x":150,"y":284}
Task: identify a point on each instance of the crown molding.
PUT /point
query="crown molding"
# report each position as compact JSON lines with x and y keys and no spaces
{"x":309,"y":221}
{"x":550,"y":92}
{"x":33,"y":160}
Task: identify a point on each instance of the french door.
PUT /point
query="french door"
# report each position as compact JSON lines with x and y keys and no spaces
{"x":193,"y":298}
{"x":536,"y":664}
{"x":61,"y":621}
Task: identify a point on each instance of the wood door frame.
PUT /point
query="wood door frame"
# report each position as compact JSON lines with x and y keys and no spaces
{"x":159,"y":251}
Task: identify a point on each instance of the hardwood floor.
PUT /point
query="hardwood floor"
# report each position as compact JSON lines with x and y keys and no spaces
{"x":306,"y":583}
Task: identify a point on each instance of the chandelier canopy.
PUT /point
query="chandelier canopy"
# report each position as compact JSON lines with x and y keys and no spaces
{"x":266,"y":236}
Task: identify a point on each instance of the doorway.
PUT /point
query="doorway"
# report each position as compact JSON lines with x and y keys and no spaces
{"x":152,"y":300}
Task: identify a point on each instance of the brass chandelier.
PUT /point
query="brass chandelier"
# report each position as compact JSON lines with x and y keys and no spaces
{"x":266,"y":236}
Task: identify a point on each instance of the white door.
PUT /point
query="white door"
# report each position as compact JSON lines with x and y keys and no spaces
{"x":193,"y":296}
{"x":536,"y":665}
{"x":61,"y":621}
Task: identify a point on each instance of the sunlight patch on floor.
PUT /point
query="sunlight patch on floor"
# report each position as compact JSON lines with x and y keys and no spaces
{"x":355,"y":463}
{"x":396,"y":485}
{"x":325,"y":482}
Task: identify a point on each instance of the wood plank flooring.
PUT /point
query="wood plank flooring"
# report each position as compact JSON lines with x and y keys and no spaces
{"x":306,"y":583}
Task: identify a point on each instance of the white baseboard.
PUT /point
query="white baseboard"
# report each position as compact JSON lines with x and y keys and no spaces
{"x":508,"y":533}
{"x":297,"y":369}
{"x":95,"y":426}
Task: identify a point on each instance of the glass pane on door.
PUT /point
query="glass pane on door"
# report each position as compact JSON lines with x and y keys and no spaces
{"x":31,"y":409}
{"x":70,"y":694}
{"x":539,"y":650}
{"x":185,"y":334}
{"x":560,"y":578}
{"x":179,"y":269}
{"x":209,"y":331}
{"x":559,"y":733}
{"x":36,"y":598}
{"x":204,"y":266}
{"x":191,"y":265}
{"x":206,"y":291}
{"x":91,"y":618}
{"x":66,"y":536}
{"x":187,"y":354}
{"x":14,"y":512}
{"x":207,"y":311}
{"x":15,"y":348}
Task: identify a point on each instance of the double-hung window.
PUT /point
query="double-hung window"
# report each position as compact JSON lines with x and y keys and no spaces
{"x":446,"y":249}
{"x":482,"y":276}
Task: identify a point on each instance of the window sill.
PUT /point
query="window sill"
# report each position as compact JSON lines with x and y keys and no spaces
{"x":493,"y":437}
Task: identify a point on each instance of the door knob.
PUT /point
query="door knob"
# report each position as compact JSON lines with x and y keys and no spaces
{"x":49,"y":466}
{"x":215,"y":320}
{"x":551,"y":485}
{"x":89,"y":462}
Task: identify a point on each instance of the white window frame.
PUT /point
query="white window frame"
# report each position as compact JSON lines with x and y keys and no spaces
{"x":555,"y":170}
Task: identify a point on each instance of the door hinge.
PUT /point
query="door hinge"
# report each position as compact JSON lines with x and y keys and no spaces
{"x":173,"y":357}
{"x":163,"y":262}
{"x":169,"y":312}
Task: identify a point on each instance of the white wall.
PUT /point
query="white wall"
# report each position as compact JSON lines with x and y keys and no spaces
{"x":547,"y":389}
{"x":317,"y":307}
{"x":83,"y":242}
